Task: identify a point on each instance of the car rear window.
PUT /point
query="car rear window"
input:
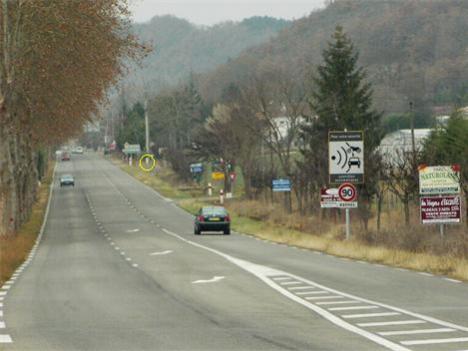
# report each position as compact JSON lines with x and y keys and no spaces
{"x":214,"y":211}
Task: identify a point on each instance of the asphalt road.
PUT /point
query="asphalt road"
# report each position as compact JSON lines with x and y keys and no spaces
{"x":118,"y":268}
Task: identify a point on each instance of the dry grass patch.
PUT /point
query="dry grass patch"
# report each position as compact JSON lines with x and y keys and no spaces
{"x":15,"y":249}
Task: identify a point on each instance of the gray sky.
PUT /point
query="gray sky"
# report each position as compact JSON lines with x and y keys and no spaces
{"x":215,"y":11}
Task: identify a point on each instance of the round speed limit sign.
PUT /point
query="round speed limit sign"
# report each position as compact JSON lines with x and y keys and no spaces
{"x":347,"y":192}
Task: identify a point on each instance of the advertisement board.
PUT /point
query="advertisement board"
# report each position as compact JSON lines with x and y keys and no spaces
{"x":437,"y":180}
{"x":440,"y":209}
{"x":217,"y":176}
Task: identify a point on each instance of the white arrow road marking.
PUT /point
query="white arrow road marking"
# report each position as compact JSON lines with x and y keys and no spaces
{"x":161,"y":253}
{"x":212,"y":280}
{"x":136,"y":230}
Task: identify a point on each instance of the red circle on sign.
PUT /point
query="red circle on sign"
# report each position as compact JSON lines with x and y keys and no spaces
{"x":347,"y":192}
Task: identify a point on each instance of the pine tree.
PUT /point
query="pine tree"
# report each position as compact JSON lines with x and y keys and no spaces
{"x":341,"y":99}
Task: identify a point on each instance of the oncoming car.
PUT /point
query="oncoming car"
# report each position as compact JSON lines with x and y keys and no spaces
{"x":67,"y":179}
{"x":212,"y":218}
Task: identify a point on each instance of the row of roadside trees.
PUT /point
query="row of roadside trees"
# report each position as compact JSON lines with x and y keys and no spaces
{"x":57,"y":59}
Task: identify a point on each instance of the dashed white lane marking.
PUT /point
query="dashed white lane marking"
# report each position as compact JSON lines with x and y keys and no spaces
{"x":1,"y":313}
{"x":134,"y":265}
{"x":353,"y":308}
{"x":1,"y":304}
{"x":2,"y":325}
{"x":433,"y":341}
{"x":3,"y":293}
{"x":212,"y":280}
{"x":5,"y":339}
{"x":160,"y":253}
{"x":6,"y":287}
{"x":453,"y":280}
{"x":370,"y":315}
{"x":128,"y":259}
{"x":378,"y":324}
{"x":417,"y":331}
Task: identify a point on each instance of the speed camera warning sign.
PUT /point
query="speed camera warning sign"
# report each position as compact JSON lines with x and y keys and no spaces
{"x":347,"y":192}
{"x":346,"y":157}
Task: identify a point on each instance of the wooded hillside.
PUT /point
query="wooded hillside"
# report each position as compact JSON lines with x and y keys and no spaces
{"x":414,"y":50}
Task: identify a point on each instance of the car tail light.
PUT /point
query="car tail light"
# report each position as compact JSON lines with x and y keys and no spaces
{"x":227,"y":219}
{"x":201,"y":218}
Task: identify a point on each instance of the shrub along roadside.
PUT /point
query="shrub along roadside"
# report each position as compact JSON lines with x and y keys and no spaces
{"x":15,"y":249}
{"x":285,"y":229}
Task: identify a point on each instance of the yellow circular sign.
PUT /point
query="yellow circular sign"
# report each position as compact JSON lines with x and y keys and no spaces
{"x":153,"y":162}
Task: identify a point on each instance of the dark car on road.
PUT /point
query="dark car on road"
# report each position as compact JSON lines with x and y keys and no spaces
{"x":65,"y":156}
{"x":67,"y":179}
{"x":212,"y":218}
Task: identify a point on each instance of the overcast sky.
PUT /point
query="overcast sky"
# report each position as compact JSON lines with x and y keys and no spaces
{"x":215,"y":11}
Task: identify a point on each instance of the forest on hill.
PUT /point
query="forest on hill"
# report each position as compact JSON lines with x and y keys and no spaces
{"x":182,"y":48}
{"x":412,"y":50}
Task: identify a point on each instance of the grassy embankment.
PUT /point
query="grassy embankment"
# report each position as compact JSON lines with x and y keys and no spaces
{"x":14,"y":250}
{"x":418,"y":249}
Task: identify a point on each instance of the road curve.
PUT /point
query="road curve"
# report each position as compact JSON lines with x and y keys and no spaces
{"x":118,"y":268}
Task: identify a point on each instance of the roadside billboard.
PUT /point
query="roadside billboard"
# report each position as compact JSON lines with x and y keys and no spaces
{"x":437,"y":180}
{"x":441,"y":209}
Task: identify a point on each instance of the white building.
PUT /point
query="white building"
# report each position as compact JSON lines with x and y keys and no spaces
{"x":393,"y":144}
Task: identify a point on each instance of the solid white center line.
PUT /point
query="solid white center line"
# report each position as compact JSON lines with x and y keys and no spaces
{"x":418,"y":331}
{"x":161,"y":253}
{"x":370,"y":315}
{"x":433,"y":341}
{"x":376,"y":324}
{"x":353,"y":308}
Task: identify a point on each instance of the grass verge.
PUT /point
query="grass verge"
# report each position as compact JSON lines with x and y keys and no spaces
{"x":14,"y":250}
{"x":281,"y":229}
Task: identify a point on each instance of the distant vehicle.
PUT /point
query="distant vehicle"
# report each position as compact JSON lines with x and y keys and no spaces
{"x":78,"y":150}
{"x":214,"y":218}
{"x":354,"y":161}
{"x":65,"y":156}
{"x":67,"y":179}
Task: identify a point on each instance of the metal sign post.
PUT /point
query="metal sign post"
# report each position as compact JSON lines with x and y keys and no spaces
{"x":347,"y":193}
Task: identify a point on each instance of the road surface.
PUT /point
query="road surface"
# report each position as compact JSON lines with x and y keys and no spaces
{"x":118,"y":268}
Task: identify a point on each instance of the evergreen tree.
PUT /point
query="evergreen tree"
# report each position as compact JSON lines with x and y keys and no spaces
{"x":341,"y":98}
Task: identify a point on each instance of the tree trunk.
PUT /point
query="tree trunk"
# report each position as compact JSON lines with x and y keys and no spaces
{"x":407,"y":210}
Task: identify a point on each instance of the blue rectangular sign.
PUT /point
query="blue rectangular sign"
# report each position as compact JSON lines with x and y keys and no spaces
{"x":196,"y":168}
{"x":281,"y":185}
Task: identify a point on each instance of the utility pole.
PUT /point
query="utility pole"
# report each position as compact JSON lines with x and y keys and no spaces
{"x":413,"y":145}
{"x":147,"y":148}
